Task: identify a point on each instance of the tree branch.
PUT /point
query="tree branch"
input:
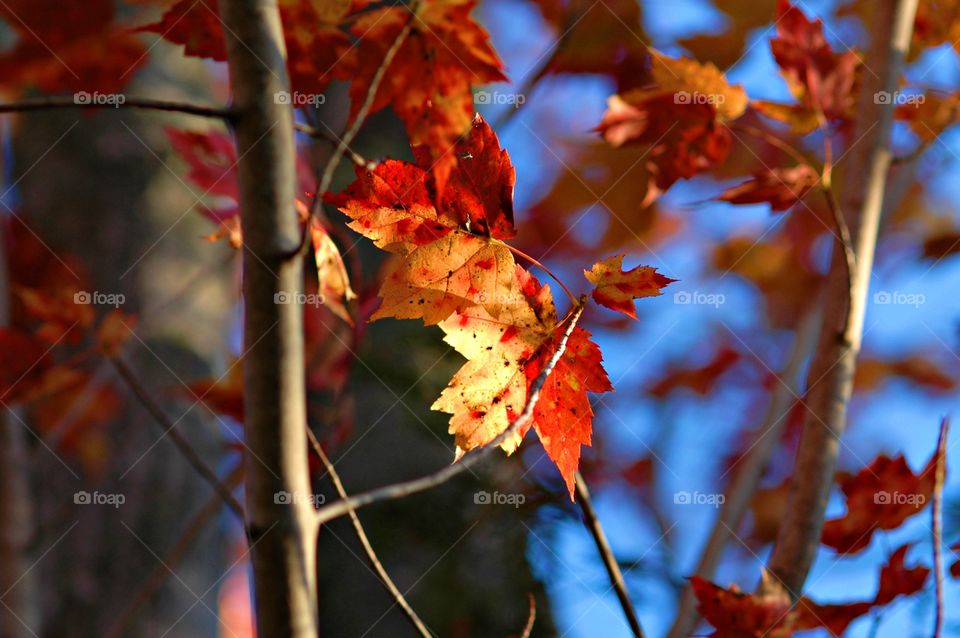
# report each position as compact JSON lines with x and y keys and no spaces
{"x":179,"y":441}
{"x":592,"y":523}
{"x":406,"y":488}
{"x":940,"y":477}
{"x":71,"y":102}
{"x":280,"y":519}
{"x":750,"y":470}
{"x":830,"y":378}
{"x":388,"y":583}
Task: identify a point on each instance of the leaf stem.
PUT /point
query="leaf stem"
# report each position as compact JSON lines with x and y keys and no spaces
{"x":536,"y":262}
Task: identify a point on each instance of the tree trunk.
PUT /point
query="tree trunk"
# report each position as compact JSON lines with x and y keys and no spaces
{"x":280,"y":521}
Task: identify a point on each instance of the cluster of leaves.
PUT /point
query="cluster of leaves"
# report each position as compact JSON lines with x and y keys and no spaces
{"x":451,"y":267}
{"x":48,"y":352}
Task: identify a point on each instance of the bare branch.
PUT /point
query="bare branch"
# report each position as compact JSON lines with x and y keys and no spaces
{"x":609,"y":560}
{"x":406,"y":488}
{"x":146,"y":103}
{"x":388,"y":583}
{"x":179,"y":441}
{"x":750,"y":469}
{"x":830,"y":378}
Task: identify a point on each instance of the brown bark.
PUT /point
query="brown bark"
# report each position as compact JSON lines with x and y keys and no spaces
{"x":282,"y":531}
{"x":830,"y":378}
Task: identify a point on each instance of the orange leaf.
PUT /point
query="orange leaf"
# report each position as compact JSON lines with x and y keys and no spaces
{"x":616,"y":289}
{"x":429,"y":82}
{"x":880,"y":496}
{"x":780,"y":187}
{"x":332,"y":275}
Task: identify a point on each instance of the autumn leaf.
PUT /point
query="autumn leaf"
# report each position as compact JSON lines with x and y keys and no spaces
{"x":429,"y":81}
{"x":735,"y":614}
{"x":505,"y":354}
{"x":617,"y":289}
{"x":880,"y":496}
{"x":606,"y":38}
{"x":67,"y":46}
{"x":818,"y":77}
{"x":698,"y":378}
{"x":317,"y":49}
{"x":442,"y":265}
{"x":898,"y":580}
{"x":782,"y":188}
{"x":681,"y":118}
{"x":332,"y":274}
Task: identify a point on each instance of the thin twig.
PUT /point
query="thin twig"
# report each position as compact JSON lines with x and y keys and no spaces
{"x":365,"y":542}
{"x":164,"y":568}
{"x":609,"y":560}
{"x":531,"y":616}
{"x":75,"y":102}
{"x":364,"y":109}
{"x":940,"y":476}
{"x":331,"y":139}
{"x":180,"y":442}
{"x":826,"y":184}
{"x":406,"y":488}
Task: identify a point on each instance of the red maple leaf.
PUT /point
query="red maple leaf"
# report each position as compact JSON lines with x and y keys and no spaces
{"x":880,"y":496}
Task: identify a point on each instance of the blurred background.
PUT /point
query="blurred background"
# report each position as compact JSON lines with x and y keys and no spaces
{"x":106,"y":201}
